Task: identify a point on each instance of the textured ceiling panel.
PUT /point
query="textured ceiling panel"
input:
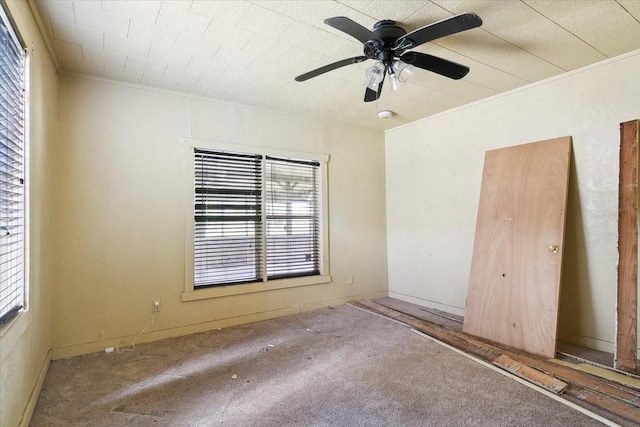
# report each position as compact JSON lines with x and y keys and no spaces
{"x":220,"y":32}
{"x":559,"y":47}
{"x":68,"y":53}
{"x":159,"y":82}
{"x":338,"y":48}
{"x":398,"y":10}
{"x":308,"y":12}
{"x":264,"y":21}
{"x":163,"y":54}
{"x":232,"y":11}
{"x":631,"y":6}
{"x":184,"y":22}
{"x":117,"y":73}
{"x":78,"y":35}
{"x":429,"y":13}
{"x":144,"y":11}
{"x":89,"y":14}
{"x":61,"y":10}
{"x":305,"y":37}
{"x":99,"y":56}
{"x":613,"y":37}
{"x":579,"y":15}
{"x":126,"y":46}
{"x":145,"y":67}
{"x":250,"y":51}
{"x":144,"y":31}
{"x":484,"y":8}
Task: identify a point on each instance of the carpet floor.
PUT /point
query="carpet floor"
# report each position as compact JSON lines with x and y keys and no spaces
{"x":330,"y":367}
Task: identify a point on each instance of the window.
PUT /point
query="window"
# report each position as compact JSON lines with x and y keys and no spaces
{"x":256,"y":218}
{"x":228,"y":218}
{"x":12,"y":167}
{"x":292,"y":218}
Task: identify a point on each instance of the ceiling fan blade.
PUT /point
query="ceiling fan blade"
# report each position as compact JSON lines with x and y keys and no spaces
{"x":437,"y":65}
{"x":448,"y":26}
{"x":372,"y":95}
{"x":352,"y":28}
{"x":330,"y":67}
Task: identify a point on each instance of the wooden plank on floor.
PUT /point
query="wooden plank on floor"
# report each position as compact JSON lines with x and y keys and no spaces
{"x":443,"y":314}
{"x":514,"y":285}
{"x":530,"y":374}
{"x":609,"y":374}
{"x":564,"y":373}
{"x":613,"y":398}
{"x":553,"y":396}
{"x":626,"y":306}
{"x":570,"y":374}
{"x":580,"y":378}
{"x":605,"y":402}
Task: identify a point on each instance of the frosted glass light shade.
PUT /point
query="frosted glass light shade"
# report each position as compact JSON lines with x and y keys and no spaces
{"x":402,"y":70}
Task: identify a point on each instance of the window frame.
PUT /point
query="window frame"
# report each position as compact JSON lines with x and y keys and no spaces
{"x":192,"y":293}
{"x":11,"y":316}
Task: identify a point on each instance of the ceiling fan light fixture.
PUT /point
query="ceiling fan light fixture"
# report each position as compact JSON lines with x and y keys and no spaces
{"x":399,"y":72}
{"x":375,"y":75}
{"x":402,"y":70}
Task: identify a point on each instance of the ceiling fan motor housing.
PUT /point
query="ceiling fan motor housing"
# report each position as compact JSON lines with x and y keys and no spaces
{"x":388,"y":32}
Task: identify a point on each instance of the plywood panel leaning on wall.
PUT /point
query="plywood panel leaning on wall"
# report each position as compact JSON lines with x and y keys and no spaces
{"x":626,"y":305}
{"x":514,"y":286}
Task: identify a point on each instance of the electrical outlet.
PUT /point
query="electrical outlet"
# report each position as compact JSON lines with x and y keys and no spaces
{"x":350,"y":279}
{"x":155,"y":306}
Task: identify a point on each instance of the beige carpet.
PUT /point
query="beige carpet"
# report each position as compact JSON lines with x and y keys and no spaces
{"x":330,"y":367}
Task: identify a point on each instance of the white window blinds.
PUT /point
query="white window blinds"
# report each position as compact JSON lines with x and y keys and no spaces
{"x":228,"y":218}
{"x":292,"y":218}
{"x":12,"y":162}
{"x":256,"y":218}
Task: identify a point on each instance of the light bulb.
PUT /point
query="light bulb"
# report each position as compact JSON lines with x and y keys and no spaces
{"x":393,"y":80}
{"x":375,"y":75}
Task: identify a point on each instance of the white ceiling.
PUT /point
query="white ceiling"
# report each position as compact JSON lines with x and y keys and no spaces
{"x":249,"y":52}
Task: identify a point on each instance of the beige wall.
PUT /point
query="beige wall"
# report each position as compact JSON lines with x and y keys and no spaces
{"x":25,"y":341}
{"x":120,"y":213}
{"x":434,"y":169}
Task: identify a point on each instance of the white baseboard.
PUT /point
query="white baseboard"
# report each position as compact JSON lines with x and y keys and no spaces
{"x":99,"y":346}
{"x":35,"y":392}
{"x":344,"y":300}
{"x":427,"y":303}
{"x":588,"y":342}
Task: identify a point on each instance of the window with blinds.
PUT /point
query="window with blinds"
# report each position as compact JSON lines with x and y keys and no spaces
{"x":228,"y":218}
{"x":292,"y":218}
{"x":12,"y":166}
{"x":256,"y":218}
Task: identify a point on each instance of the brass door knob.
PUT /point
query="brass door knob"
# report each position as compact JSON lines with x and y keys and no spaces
{"x":554,"y":249}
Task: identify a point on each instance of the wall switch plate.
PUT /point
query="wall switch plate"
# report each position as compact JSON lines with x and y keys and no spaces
{"x":350,"y":279}
{"x":155,"y":306}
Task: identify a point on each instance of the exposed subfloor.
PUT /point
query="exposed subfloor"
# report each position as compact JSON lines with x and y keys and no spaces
{"x":333,"y":366}
{"x":566,"y":351}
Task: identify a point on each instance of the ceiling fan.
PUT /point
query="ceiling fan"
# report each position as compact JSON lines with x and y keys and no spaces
{"x":387,"y":45}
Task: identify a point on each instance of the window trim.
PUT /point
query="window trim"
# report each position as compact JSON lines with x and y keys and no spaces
{"x":190,"y":293}
{"x":10,"y":320}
